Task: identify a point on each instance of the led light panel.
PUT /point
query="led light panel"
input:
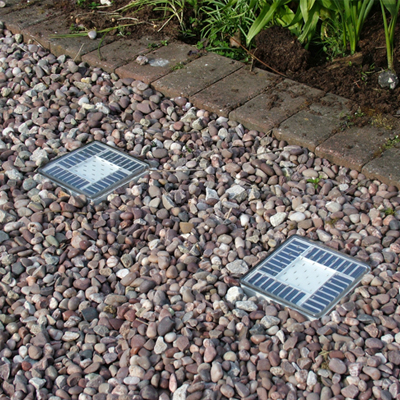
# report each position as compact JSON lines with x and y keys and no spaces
{"x":304,"y":276}
{"x":94,"y":170}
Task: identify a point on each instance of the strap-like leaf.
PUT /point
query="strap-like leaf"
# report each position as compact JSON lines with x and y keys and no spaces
{"x":392,"y":6}
{"x":309,"y":28}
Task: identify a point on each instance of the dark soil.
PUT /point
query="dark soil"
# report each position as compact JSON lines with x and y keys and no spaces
{"x":354,"y":77}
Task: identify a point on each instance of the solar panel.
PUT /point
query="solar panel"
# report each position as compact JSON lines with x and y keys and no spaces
{"x":304,"y":276}
{"x":94,"y":170}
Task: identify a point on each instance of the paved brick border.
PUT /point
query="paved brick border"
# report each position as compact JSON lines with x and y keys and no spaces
{"x":257,"y":99}
{"x":161,"y":62}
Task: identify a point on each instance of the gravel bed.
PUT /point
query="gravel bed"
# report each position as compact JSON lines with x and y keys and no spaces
{"x":138,"y":297}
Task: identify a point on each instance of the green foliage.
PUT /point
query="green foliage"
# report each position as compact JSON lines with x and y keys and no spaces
{"x":350,"y":119}
{"x":366,"y":74}
{"x":389,"y":211}
{"x":331,"y":40}
{"x":171,"y":9}
{"x":153,"y":46}
{"x":392,"y":142}
{"x":87,"y":4}
{"x":314,"y":181}
{"x":122,"y":31}
{"x":353,"y":14}
{"x":309,"y":14}
{"x":223,"y":19}
{"x":222,"y":47}
{"x":393,"y":7}
{"x":74,"y":28}
{"x":180,"y":65}
{"x":309,"y":17}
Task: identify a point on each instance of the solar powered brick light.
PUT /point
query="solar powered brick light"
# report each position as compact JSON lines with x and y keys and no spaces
{"x":94,"y":170}
{"x":305,"y":276}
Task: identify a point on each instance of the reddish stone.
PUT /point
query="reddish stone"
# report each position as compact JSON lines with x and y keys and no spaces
{"x":130,"y":315}
{"x":116,"y":323}
{"x":26,"y":366}
{"x":137,"y":342}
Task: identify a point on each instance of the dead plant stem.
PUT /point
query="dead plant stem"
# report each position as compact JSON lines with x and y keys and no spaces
{"x":254,"y":57}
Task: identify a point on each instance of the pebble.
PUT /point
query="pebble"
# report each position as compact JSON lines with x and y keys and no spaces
{"x":160,"y":346}
{"x":237,"y":267}
{"x":236,"y":293}
{"x":278,"y":218}
{"x":338,"y":366}
{"x":92,"y":34}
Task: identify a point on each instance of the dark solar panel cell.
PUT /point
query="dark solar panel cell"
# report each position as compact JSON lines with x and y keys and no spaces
{"x":279,"y":289}
{"x":357,"y":272}
{"x":255,"y":278}
{"x":291,"y":295}
{"x":337,"y":263}
{"x":274,"y":287}
{"x":298,"y":298}
{"x":268,"y":282}
{"x":285,"y":292}
{"x":325,"y":259}
{"x":320,"y":299}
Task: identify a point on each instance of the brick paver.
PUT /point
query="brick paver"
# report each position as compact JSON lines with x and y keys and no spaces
{"x":323,"y":119}
{"x":385,"y":168}
{"x":18,"y":17}
{"x":354,"y":147}
{"x":307,"y":129}
{"x":173,"y":54}
{"x":196,"y":76}
{"x":234,"y":90}
{"x":118,"y":53}
{"x":270,"y":109}
{"x":332,"y":106}
{"x":74,"y":47}
{"x":11,"y":6}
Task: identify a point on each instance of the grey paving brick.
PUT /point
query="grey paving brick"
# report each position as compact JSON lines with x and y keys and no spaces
{"x":75,"y":47}
{"x":173,"y":54}
{"x":22,"y":15}
{"x":117,"y":53}
{"x":333,"y":106}
{"x":307,"y":129}
{"x":354,"y":147}
{"x":196,"y":76}
{"x":234,"y":90}
{"x":270,"y":109}
{"x":385,"y":168}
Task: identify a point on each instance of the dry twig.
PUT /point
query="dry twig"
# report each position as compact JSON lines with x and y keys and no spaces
{"x":256,"y":58}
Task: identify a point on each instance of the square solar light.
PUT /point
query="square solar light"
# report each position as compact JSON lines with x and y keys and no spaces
{"x":94,"y":170}
{"x":304,"y":276}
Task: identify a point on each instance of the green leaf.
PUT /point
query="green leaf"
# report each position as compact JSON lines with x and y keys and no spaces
{"x":329,"y":4}
{"x":304,"y":9}
{"x":296,"y":19}
{"x":392,"y":6}
{"x":309,"y":29}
